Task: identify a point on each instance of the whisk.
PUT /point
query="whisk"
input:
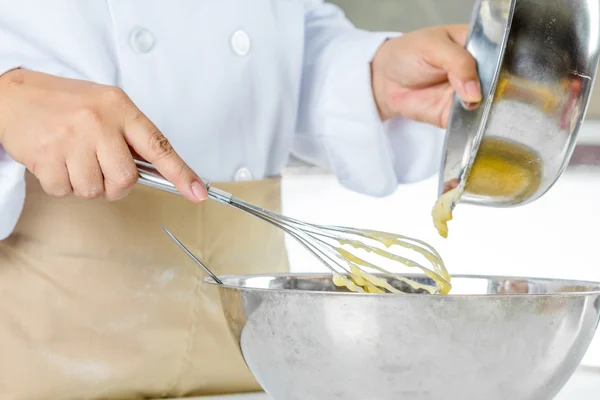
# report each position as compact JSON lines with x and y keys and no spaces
{"x":352,"y":255}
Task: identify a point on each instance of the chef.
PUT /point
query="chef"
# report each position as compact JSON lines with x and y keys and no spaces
{"x":96,"y":302}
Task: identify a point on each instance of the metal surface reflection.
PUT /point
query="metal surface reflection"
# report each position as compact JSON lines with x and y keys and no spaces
{"x":496,"y":338}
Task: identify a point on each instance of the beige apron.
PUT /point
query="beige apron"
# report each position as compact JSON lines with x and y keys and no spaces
{"x":96,"y":302}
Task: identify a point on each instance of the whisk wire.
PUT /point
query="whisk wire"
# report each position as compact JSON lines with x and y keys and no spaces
{"x":338,"y":260}
{"x":327,"y":243}
{"x":296,"y":233}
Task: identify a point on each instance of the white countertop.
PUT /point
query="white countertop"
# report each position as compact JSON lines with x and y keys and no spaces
{"x":584,"y":385}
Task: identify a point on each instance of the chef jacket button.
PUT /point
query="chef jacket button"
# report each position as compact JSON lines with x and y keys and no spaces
{"x":243,"y":174}
{"x":141,"y":40}
{"x":240,"y":42}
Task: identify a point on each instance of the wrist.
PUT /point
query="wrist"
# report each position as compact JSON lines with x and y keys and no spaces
{"x":6,"y":80}
{"x":379,"y":82}
{"x":11,"y":76}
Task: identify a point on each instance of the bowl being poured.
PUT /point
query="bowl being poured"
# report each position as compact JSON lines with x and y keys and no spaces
{"x":537,"y":62}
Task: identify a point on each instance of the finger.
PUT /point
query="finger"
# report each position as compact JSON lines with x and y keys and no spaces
{"x":85,"y":174}
{"x":54,"y":178}
{"x":430,"y":105}
{"x":461,"y":68}
{"x":452,"y":184}
{"x":458,"y":33}
{"x":118,"y":168}
{"x":446,"y":104}
{"x":149,"y":142}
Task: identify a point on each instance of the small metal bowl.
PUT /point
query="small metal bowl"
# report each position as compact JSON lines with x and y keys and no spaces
{"x":537,"y":61}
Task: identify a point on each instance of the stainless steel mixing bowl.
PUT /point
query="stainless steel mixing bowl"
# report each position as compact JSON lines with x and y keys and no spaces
{"x":492,"y":339}
{"x":537,"y":61}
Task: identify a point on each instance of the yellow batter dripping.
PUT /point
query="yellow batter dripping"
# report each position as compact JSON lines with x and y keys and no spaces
{"x":501,"y":169}
{"x":358,"y":280}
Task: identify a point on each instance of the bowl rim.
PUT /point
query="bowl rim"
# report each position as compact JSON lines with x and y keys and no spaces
{"x":594,"y":286}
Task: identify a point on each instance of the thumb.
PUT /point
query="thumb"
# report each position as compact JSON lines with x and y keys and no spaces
{"x":149,"y":142}
{"x":461,"y":68}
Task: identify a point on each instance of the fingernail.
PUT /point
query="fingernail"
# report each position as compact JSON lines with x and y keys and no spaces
{"x":469,"y":106}
{"x":199,"y":190}
{"x":473,"y":92}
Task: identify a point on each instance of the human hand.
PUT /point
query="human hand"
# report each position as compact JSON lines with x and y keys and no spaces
{"x":78,"y":137}
{"x":416,"y":75}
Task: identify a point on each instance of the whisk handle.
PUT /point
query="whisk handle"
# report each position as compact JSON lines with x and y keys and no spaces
{"x":149,"y":176}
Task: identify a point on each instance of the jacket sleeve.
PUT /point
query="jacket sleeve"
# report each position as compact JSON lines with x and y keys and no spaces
{"x":339,"y":127}
{"x":12,"y":193}
{"x":17,"y":52}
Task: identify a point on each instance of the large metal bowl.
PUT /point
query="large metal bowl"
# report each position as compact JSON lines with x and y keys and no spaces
{"x":492,"y":339}
{"x":537,"y":61}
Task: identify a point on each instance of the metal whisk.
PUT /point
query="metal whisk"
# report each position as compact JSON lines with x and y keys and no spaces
{"x":349,"y":253}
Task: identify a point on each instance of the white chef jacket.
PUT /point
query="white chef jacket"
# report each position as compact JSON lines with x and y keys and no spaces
{"x":236,"y":85}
